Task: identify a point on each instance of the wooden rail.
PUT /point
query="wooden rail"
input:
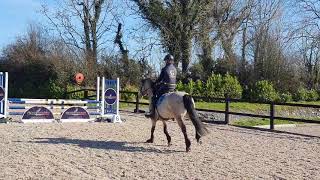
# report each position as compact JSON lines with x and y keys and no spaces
{"x":227,"y":111}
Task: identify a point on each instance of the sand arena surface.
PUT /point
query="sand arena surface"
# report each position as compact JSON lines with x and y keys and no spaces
{"x":118,"y":151}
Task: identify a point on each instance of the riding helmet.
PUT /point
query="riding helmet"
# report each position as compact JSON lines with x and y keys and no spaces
{"x":168,"y":57}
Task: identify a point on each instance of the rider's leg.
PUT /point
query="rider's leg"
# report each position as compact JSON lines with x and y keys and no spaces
{"x":152,"y":108}
{"x":158,"y":93}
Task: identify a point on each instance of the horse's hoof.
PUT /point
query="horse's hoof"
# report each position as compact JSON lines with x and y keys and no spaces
{"x":188,"y":150}
{"x":199,"y":142}
{"x":169,"y":144}
{"x":149,"y":141}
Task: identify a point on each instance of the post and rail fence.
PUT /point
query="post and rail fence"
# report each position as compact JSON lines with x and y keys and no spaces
{"x":272,"y":111}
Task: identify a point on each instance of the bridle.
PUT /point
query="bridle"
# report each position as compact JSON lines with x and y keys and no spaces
{"x":144,"y":91}
{"x":151,"y":86}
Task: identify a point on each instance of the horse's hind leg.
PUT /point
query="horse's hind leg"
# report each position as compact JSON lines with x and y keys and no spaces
{"x":198,"y":138}
{"x":184,"y":131}
{"x":166,"y":133}
{"x":152,"y":131}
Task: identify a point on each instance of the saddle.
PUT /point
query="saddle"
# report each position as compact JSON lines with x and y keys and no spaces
{"x":158,"y":100}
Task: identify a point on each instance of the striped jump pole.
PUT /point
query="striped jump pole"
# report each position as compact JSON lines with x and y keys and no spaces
{"x":69,"y":110}
{"x":56,"y":107}
{"x":50,"y":101}
{"x":42,"y":110}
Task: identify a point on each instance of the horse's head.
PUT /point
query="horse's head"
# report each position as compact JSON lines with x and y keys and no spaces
{"x":146,"y":88}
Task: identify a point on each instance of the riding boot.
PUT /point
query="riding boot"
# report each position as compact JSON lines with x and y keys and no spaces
{"x":151,"y":114}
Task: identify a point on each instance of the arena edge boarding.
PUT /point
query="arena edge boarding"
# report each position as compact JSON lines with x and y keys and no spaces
{"x":40,"y":110}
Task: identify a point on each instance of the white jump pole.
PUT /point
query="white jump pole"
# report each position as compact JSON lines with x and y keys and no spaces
{"x":102,"y":97}
{"x":118,"y":94}
{"x":98,"y":89}
{"x":5,"y":101}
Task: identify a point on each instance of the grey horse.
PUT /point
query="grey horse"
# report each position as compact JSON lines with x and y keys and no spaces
{"x":173,"y":105}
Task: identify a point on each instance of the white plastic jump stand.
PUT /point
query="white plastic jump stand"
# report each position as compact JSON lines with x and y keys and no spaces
{"x":114,"y":118}
{"x":4,"y":96}
{"x":113,"y":106}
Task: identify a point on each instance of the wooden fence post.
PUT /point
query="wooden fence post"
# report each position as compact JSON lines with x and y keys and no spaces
{"x":137,"y":103}
{"x":85,"y":94}
{"x":227,"y":111}
{"x":271,"y":115}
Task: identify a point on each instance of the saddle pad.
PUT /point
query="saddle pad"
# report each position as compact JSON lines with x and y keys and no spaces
{"x":161,"y":98}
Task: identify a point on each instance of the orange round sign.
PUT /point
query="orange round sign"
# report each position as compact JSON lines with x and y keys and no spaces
{"x":79,"y":77}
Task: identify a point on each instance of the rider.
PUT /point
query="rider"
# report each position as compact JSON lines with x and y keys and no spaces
{"x":165,"y":83}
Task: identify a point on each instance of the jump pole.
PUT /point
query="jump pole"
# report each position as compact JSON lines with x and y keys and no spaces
{"x":98,"y":89}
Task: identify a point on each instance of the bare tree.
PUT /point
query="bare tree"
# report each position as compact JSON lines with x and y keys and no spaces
{"x":83,"y":24}
{"x":221,"y":24}
{"x":39,"y":64}
{"x":260,"y":37}
{"x":30,"y":47}
{"x":206,"y":45}
{"x":229,"y":16}
{"x":309,"y":36}
{"x":310,"y":53}
{"x":176,"y":22}
{"x":310,"y":12}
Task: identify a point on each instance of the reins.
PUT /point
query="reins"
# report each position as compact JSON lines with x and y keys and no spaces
{"x":143,"y":92}
{"x":152,"y":87}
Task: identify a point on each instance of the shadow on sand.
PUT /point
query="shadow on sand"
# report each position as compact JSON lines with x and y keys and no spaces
{"x":271,"y":133}
{"x":107,"y":145}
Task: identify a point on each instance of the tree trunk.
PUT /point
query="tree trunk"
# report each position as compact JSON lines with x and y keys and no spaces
{"x":185,"y":52}
{"x":124,"y":52}
{"x":206,"y":57}
{"x":231,"y":61}
{"x":243,"y":71}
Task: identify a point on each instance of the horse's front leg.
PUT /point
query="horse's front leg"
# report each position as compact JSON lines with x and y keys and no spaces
{"x":152,"y":131}
{"x":165,"y":130}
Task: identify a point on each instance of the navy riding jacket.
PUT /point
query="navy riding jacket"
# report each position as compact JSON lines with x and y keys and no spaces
{"x":168,"y":78}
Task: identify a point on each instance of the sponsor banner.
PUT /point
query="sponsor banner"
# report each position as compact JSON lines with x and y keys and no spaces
{"x":111,"y":97}
{"x":75,"y":113}
{"x":2,"y":94}
{"x":38,"y":112}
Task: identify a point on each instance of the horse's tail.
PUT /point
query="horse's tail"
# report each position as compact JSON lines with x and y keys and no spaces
{"x":189,"y":105}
